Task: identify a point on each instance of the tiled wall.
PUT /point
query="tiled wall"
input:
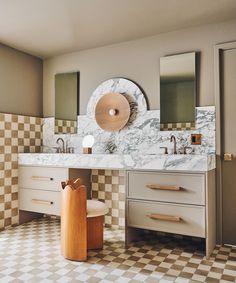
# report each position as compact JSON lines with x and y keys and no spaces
{"x":109,"y":187}
{"x":65,"y":127}
{"x":177,"y":126}
{"x":17,"y":134}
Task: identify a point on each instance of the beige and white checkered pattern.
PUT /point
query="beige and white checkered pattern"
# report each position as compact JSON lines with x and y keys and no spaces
{"x":31,"y":253}
{"x":65,"y":127}
{"x":109,"y":187}
{"x":177,"y":126}
{"x":17,"y":134}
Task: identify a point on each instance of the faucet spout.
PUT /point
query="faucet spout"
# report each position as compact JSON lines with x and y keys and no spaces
{"x":63,"y":144}
{"x":173,"y":139}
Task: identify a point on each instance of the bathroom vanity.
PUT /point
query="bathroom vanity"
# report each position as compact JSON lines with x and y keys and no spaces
{"x":167,"y":193}
{"x":40,"y":187}
{"x":173,"y":202}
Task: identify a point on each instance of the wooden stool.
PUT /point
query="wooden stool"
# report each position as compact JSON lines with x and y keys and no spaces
{"x":81,"y":222}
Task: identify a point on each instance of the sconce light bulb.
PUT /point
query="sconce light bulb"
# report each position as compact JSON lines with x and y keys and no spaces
{"x":88,"y":141}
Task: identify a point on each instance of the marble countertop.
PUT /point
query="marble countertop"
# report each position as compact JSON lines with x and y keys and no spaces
{"x":178,"y":162}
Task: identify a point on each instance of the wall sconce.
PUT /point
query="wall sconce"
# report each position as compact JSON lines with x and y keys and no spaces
{"x":88,"y":142}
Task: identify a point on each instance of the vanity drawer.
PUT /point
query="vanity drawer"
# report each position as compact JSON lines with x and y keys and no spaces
{"x":43,"y":178}
{"x":166,"y":217}
{"x":47,"y":202}
{"x":168,"y":187}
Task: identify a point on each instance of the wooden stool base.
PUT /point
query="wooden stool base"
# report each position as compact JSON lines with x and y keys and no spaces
{"x":95,"y":232}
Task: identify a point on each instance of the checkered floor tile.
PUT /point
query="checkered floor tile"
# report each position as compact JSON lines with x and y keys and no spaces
{"x":31,"y":253}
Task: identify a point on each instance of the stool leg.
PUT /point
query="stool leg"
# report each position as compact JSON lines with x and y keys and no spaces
{"x":95,"y":232}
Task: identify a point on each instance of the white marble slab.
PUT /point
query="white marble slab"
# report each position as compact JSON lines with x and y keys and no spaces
{"x":118,"y":85}
{"x":179,"y":162}
{"x":142,"y":136}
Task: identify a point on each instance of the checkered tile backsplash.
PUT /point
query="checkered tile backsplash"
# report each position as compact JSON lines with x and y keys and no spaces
{"x":65,"y":127}
{"x":109,"y":187}
{"x":178,"y":126}
{"x":17,"y":134}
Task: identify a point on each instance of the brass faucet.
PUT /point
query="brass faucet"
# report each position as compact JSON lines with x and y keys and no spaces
{"x":173,"y":139}
{"x":63,"y":144}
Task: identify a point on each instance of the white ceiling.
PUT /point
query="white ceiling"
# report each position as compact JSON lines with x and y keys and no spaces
{"x":47,"y":28}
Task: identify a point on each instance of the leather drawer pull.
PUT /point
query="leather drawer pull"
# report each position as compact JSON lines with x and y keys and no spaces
{"x":161,"y":187}
{"x":41,"y":201}
{"x":164,"y":217}
{"x":41,"y":178}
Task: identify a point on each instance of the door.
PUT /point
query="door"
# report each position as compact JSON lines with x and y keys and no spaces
{"x":228,"y":144}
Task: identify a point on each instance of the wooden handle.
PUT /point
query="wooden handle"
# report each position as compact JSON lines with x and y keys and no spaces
{"x":41,"y":201}
{"x":161,"y":187}
{"x":164,"y":217}
{"x":42,"y":178}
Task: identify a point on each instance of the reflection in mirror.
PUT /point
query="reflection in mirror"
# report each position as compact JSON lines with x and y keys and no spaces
{"x":178,"y":92}
{"x":66,"y":102}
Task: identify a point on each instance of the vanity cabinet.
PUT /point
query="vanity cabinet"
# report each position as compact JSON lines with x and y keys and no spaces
{"x":172,"y":202}
{"x":39,"y":188}
{"x":176,"y":202}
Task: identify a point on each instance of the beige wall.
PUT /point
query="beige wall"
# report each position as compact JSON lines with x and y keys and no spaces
{"x":20,"y":82}
{"x":139,"y":60}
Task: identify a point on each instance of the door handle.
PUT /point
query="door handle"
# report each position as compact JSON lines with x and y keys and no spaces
{"x":228,"y":157}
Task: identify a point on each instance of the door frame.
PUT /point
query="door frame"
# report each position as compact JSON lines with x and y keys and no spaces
{"x":218,"y":50}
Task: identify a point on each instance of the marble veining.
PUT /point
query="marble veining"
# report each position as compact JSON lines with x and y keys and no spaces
{"x":143,"y":135}
{"x":179,"y":162}
{"x":120,"y":85}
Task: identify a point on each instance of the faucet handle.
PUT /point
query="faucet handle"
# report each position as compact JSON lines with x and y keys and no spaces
{"x":166,"y":149}
{"x":58,"y":149}
{"x":187,"y":147}
{"x":70,"y":149}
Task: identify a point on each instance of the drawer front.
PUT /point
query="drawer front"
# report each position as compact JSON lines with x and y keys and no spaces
{"x":166,"y":217}
{"x":42,"y":178}
{"x":40,"y":201}
{"x":168,"y":187}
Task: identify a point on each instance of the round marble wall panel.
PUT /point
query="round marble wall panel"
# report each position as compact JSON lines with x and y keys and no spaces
{"x":127,"y":88}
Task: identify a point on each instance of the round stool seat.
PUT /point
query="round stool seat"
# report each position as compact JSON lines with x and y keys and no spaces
{"x":96,"y":208}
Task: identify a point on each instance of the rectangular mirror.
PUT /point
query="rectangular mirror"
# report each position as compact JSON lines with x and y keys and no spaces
{"x":66,"y":103}
{"x":178,"y":92}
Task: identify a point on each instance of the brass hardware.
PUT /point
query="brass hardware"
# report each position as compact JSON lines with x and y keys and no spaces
{"x":228,"y":156}
{"x":41,"y":201}
{"x":42,"y":178}
{"x":196,"y":139}
{"x":87,"y":150}
{"x":160,"y":187}
{"x":164,"y":217}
